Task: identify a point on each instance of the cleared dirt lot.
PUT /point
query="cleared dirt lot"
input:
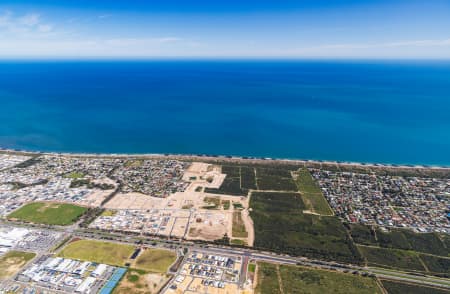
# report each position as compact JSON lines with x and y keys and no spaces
{"x":141,"y":282}
{"x":210,"y":214}
{"x":209,"y":225}
{"x":197,"y":287}
{"x":204,"y":174}
{"x":96,"y":198}
{"x":134,"y":201}
{"x":12,"y":262}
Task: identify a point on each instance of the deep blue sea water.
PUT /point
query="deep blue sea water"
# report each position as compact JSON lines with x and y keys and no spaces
{"x":368,"y":111}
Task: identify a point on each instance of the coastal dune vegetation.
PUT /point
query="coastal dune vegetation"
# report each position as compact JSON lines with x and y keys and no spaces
{"x":241,"y":179}
{"x":281,"y":226}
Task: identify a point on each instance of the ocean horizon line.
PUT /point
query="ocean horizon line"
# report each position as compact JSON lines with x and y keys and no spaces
{"x":222,"y":58}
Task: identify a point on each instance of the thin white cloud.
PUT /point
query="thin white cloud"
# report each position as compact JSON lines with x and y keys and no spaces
{"x":5,"y":20}
{"x":103,"y":16}
{"x":30,"y":19}
{"x":32,"y":35}
{"x":444,"y":42}
{"x":141,"y":41}
{"x":44,"y":28}
{"x":23,"y":26}
{"x":162,"y":46}
{"x":168,"y":39}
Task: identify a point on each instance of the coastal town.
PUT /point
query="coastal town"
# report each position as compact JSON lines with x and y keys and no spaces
{"x":192,"y":225}
{"x":224,"y":147}
{"x":421,"y":204}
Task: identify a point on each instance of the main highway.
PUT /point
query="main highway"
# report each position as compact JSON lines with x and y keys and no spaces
{"x":270,"y":257}
{"x":251,"y":254}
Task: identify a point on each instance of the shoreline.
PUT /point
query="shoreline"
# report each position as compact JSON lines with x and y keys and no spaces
{"x":226,"y":158}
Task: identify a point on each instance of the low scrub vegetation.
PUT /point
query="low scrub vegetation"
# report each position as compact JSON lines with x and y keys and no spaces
{"x":402,"y":288}
{"x":281,"y":226}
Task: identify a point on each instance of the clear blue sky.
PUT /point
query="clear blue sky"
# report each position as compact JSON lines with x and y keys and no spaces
{"x":283,"y":28}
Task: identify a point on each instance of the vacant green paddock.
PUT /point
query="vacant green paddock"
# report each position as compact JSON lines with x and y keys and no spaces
{"x":297,"y":279}
{"x":311,"y":193}
{"x":155,"y":260}
{"x":98,"y":251}
{"x":267,"y":279}
{"x":48,"y":213}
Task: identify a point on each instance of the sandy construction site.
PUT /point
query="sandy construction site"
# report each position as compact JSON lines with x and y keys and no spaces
{"x":95,"y":198}
{"x":211,"y":215}
{"x":135,"y":200}
{"x":204,"y":174}
{"x":206,"y":273}
{"x":208,"y":225}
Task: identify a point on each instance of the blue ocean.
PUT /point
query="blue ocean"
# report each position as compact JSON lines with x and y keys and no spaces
{"x":365,"y":111}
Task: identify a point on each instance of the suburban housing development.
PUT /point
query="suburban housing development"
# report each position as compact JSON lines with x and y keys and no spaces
{"x":202,"y":224}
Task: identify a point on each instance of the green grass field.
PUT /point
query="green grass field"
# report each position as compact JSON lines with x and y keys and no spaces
{"x":238,"y":242}
{"x":311,"y":194}
{"x":251,"y":267}
{"x":74,"y":175}
{"x":296,"y":279}
{"x":98,"y":251}
{"x":12,"y":262}
{"x":155,"y":260}
{"x":108,"y":212}
{"x":48,"y":213}
{"x":267,"y":279}
{"x":238,"y":226}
